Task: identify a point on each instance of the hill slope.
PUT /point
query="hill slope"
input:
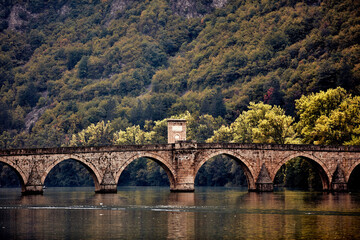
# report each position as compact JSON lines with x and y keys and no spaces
{"x":80,"y":62}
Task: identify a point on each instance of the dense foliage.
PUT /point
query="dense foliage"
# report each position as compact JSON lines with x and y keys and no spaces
{"x":262,"y":123}
{"x":110,"y":71}
{"x":81,"y":62}
{"x":329,"y":118}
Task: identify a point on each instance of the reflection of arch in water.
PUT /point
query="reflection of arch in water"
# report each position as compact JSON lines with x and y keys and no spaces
{"x":18,"y":172}
{"x":92,"y":170}
{"x":319,"y":165}
{"x":249,"y":173}
{"x":159,"y":160}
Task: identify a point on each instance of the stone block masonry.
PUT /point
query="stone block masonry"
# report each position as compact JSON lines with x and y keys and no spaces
{"x":182,"y":160}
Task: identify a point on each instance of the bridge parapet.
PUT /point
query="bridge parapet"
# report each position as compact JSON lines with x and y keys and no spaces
{"x":178,"y":145}
{"x":279,"y":147}
{"x":73,"y":150}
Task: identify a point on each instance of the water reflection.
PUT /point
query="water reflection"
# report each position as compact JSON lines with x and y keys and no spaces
{"x":148,"y":213}
{"x":180,"y":224}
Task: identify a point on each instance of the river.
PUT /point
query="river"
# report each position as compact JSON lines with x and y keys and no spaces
{"x":156,"y":213}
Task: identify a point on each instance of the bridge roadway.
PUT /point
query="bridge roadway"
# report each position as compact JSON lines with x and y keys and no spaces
{"x":182,"y":161}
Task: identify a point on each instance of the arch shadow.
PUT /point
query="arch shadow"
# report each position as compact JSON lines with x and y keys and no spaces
{"x":19,"y":173}
{"x":321,"y":169}
{"x":353,"y":178}
{"x":159,"y":160}
{"x":351,"y":170}
{"x":245,"y":166}
{"x":91,"y":169}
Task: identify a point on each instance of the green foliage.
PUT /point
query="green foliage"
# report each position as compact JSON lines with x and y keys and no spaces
{"x":329,"y":118}
{"x":213,"y":104}
{"x":77,"y":175}
{"x":298,"y":173}
{"x":132,"y":135}
{"x":74,"y":55}
{"x":87,"y":52}
{"x":27,"y":95}
{"x":199,"y":128}
{"x":143,"y":172}
{"x":99,"y":134}
{"x":8,"y":177}
{"x":262,"y":123}
{"x":221,"y":171}
{"x":83,"y":67}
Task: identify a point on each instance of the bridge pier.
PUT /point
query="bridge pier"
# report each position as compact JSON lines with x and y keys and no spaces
{"x":33,"y":185}
{"x":32,"y":190}
{"x":339,"y":183}
{"x":184,"y":157}
{"x":264,"y":182}
{"x":339,"y":187}
{"x":108,"y":188}
{"x":185,"y":187}
{"x":264,"y":187}
{"x":185,"y":182}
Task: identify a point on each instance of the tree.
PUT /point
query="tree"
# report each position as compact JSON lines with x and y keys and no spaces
{"x":329,"y":118}
{"x":100,"y":134}
{"x":137,"y":114}
{"x":200,"y":128}
{"x":74,"y":55}
{"x":27,"y":95}
{"x":221,"y":171}
{"x":222,"y":135}
{"x":299,"y":173}
{"x":262,"y":123}
{"x":83,"y":67}
{"x":132,"y":135}
{"x":213,"y":104}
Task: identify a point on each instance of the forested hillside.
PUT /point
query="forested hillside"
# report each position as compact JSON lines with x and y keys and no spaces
{"x":123,"y":66}
{"x":67,"y":64}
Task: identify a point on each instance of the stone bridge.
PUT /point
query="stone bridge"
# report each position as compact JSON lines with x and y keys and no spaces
{"x":182,"y":160}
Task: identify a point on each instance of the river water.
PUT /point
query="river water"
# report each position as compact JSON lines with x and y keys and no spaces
{"x":156,"y":213}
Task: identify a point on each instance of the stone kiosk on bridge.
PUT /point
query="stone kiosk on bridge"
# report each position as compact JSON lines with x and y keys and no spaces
{"x":182,"y":160}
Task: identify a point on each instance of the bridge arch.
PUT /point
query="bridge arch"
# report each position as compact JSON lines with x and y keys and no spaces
{"x":92,"y":170}
{"x":22,"y":177}
{"x":351,"y":170}
{"x":323,"y":171}
{"x":353,"y":176}
{"x":156,"y":158}
{"x":246,"y":167}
